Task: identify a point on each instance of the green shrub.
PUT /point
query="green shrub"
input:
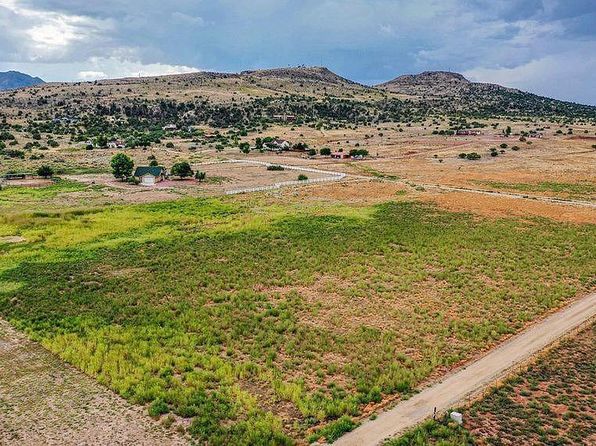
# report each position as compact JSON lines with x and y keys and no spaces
{"x":158,"y":407}
{"x":45,"y":171}
{"x":334,"y":430}
{"x":182,"y":169}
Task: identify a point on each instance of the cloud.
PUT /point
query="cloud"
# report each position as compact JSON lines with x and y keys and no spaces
{"x":365,"y":40}
{"x":557,"y":75}
{"x":187,"y":19}
{"x":114,"y":67}
{"x":91,"y":75}
{"x":46,"y":35}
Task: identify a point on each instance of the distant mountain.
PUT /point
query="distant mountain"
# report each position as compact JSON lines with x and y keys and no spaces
{"x":15,"y":79}
{"x":449,"y":92}
{"x":436,"y":84}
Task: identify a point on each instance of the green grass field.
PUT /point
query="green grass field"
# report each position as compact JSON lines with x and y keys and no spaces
{"x":263,"y":321}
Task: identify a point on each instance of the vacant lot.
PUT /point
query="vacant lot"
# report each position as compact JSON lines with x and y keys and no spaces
{"x":260,"y":318}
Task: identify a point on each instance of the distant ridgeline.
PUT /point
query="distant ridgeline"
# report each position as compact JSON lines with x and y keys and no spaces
{"x":301,"y":95}
{"x":13,"y":79}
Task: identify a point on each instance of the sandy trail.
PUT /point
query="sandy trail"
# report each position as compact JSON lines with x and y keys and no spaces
{"x":473,"y":378}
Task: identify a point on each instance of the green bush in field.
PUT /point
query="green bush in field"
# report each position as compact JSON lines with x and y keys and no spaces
{"x":334,"y":430}
{"x":45,"y":171}
{"x":182,"y":169}
{"x":158,"y":407}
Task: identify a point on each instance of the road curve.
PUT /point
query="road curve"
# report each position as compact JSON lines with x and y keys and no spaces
{"x":474,"y":377}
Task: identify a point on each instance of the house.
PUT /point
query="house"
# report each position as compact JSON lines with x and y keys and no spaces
{"x":150,"y":175}
{"x":340,"y":155}
{"x":170,"y":128}
{"x":277,"y":145}
{"x":116,"y":144}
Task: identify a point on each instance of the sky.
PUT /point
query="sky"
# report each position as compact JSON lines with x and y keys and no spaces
{"x":546,"y":47}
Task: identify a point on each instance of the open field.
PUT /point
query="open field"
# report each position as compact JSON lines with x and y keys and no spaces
{"x":557,"y":165}
{"x":287,"y":316}
{"x":277,"y":313}
{"x":552,"y":402}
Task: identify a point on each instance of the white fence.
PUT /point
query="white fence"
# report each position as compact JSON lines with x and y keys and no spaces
{"x":333,"y":176}
{"x":286,"y":183}
{"x":285,"y":166}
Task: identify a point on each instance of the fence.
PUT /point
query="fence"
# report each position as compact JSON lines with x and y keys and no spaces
{"x":266,"y":164}
{"x":333,"y":176}
{"x":286,"y":183}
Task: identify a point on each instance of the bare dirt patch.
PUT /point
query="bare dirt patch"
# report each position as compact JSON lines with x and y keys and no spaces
{"x":362,"y":191}
{"x":45,"y":402}
{"x":32,"y":182}
{"x":12,"y":239}
{"x":500,"y":206}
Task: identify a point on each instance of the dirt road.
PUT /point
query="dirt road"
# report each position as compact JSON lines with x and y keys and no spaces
{"x":474,"y":377}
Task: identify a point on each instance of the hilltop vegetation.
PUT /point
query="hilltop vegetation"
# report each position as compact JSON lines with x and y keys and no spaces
{"x":311,"y":95}
{"x":453,"y":94}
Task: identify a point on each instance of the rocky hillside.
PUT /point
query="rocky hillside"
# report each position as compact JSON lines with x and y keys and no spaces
{"x":450,"y":93}
{"x":13,"y":79}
